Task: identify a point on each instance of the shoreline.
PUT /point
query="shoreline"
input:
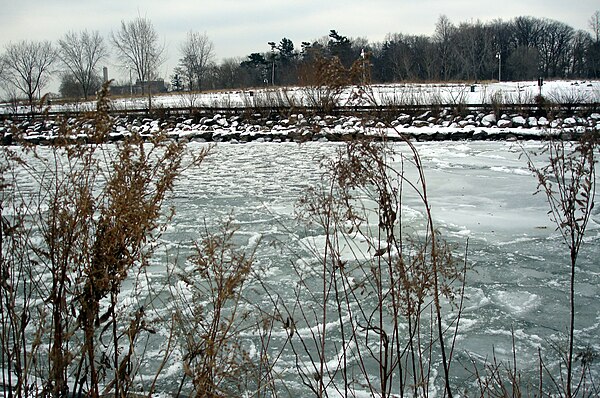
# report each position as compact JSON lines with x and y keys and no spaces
{"x":426,"y":126}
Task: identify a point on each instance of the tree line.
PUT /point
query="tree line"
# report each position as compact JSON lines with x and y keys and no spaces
{"x":523,"y":48}
{"x":26,"y":67}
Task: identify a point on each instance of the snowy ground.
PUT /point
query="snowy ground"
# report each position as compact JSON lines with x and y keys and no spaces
{"x":391,"y":94}
{"x":524,"y":92}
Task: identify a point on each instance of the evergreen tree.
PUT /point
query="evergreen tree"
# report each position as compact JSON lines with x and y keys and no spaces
{"x":256,"y":67}
{"x":177,"y":82}
{"x":341,"y":47}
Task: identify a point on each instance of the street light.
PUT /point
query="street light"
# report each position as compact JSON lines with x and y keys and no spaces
{"x":499,"y":57}
{"x":272,"y":44}
{"x":363,"y":57}
{"x":130,"y":85}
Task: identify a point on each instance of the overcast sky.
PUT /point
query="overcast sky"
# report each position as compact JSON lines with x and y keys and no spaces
{"x":240,"y":27}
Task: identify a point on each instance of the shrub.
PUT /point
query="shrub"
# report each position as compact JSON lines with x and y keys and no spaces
{"x":71,"y":245}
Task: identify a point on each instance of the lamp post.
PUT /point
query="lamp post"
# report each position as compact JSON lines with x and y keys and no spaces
{"x":499,"y":57}
{"x":363,"y":56}
{"x":272,"y":44}
{"x":273,"y":72}
{"x":130,"y":85}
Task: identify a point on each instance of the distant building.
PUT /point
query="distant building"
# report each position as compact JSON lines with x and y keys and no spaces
{"x":155,"y":86}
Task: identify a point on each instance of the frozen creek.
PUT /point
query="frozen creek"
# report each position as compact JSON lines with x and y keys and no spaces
{"x":479,"y":191}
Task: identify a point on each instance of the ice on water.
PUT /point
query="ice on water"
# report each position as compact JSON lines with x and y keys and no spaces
{"x":479,"y":191}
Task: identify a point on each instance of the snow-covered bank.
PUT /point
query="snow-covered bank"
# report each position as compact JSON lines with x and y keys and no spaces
{"x":426,"y":126}
{"x":255,"y":120}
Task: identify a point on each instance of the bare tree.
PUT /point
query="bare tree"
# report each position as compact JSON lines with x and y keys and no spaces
{"x":80,"y":53}
{"x":228,"y":73}
{"x":197,"y":55}
{"x":2,"y":79}
{"x":138,"y":48}
{"x":581,"y":44}
{"x":555,"y":47}
{"x":595,"y":25}
{"x":27,"y":67}
{"x":473,"y":48}
{"x":593,"y":52}
{"x":528,"y":31}
{"x":444,"y":31}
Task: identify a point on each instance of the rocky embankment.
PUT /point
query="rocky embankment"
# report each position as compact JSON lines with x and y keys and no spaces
{"x":429,"y":125}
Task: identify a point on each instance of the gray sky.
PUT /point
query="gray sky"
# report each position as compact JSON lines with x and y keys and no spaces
{"x":239,"y":27}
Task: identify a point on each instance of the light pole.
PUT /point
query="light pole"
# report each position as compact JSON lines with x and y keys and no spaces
{"x":272,"y":44}
{"x":273,"y":72}
{"x":130,"y":85}
{"x":363,"y":56}
{"x":499,"y":57}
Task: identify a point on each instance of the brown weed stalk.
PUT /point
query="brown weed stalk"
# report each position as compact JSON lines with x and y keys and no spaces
{"x":386,"y":298}
{"x":96,"y":213}
{"x":568,"y":181}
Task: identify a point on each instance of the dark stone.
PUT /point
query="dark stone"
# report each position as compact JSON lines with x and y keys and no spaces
{"x":480,"y":135}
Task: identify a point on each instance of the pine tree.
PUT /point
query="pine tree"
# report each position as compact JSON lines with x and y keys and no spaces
{"x":177,"y":82}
